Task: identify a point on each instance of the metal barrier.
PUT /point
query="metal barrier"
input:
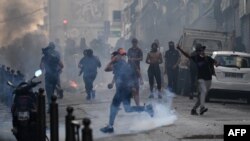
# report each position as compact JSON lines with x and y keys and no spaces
{"x":86,"y":131}
{"x":41,"y":117}
{"x":54,"y":124}
{"x":73,"y":128}
{"x":68,"y":128}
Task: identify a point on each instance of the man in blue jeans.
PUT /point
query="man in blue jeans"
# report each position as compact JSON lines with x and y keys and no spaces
{"x":124,"y":77}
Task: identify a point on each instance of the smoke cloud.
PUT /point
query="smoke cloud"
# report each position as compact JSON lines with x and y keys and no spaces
{"x":18,"y":17}
{"x":24,"y":53}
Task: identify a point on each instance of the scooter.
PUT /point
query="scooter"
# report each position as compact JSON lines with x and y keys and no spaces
{"x":24,"y":109}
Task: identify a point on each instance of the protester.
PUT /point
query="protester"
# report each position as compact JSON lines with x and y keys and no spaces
{"x":52,"y":65}
{"x":57,"y":51}
{"x":172,"y":60}
{"x":88,"y":65}
{"x":154,"y":59}
{"x":194,"y":73}
{"x":124,"y":79}
{"x":205,"y":67}
{"x":135,"y":55}
{"x":161,"y":49}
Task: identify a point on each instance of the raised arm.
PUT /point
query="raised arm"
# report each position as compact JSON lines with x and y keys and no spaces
{"x":183,"y":52}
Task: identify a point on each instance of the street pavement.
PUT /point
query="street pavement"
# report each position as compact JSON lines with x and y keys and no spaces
{"x":171,"y":124}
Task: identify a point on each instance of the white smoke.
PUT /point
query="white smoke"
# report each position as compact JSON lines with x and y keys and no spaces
{"x":131,"y":123}
{"x":163,"y":115}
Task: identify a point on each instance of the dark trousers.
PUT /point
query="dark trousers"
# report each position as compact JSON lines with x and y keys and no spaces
{"x":89,"y":80}
{"x":59,"y":90}
{"x":50,"y":85}
{"x":154,"y":72}
{"x":172,"y":78}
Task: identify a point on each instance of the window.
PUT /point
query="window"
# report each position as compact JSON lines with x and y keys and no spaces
{"x":117,"y":16}
{"x":233,"y":61}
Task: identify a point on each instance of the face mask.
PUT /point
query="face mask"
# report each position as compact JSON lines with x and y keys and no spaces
{"x":154,"y":49}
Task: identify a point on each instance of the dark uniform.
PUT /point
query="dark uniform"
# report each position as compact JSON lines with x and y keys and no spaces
{"x":171,"y":58}
{"x":51,"y":63}
{"x":88,"y":66}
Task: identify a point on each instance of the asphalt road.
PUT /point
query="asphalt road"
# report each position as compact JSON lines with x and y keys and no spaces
{"x":171,"y":124}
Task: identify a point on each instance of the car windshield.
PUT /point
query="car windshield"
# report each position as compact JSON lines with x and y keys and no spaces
{"x":233,"y":61}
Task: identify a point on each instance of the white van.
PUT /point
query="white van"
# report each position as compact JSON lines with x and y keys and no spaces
{"x":213,"y":40}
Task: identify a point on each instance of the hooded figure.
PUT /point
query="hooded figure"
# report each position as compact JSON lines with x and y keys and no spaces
{"x":88,"y":65}
{"x":52,"y":66}
{"x":172,"y":60}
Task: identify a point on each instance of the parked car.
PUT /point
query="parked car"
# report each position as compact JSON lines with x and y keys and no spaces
{"x":232,"y":79}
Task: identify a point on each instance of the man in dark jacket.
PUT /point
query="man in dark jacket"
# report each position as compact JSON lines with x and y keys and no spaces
{"x":52,"y":66}
{"x":172,"y":60}
{"x":205,"y":67}
{"x":88,"y":65}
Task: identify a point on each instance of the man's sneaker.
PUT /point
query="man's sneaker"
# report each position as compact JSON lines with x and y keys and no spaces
{"x":149,"y":109}
{"x":107,"y":129}
{"x":203,"y":110}
{"x":151,"y":96}
{"x":193,"y":112}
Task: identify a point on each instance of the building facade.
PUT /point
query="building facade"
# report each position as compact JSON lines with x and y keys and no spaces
{"x":78,"y":18}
